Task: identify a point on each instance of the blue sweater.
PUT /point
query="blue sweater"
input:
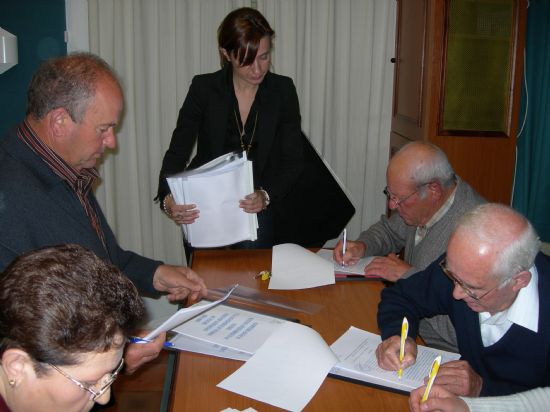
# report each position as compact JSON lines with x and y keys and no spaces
{"x":38,"y":209}
{"x":519,"y":361}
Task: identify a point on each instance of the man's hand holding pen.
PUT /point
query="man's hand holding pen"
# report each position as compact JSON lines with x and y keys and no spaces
{"x":354,"y":252}
{"x":387,"y":353}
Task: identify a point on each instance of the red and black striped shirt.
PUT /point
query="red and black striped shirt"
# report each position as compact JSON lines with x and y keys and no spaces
{"x":80,"y":182}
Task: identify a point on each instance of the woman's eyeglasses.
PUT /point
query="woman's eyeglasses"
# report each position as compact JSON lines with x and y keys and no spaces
{"x":107,"y":381}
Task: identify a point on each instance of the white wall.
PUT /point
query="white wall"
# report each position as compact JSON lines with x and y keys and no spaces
{"x":77,"y":40}
{"x":76,"y":12}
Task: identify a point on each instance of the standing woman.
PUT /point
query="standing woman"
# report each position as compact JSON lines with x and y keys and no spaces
{"x":241,"y":107}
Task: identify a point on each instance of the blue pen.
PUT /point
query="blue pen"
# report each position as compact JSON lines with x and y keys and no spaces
{"x":135,"y":339}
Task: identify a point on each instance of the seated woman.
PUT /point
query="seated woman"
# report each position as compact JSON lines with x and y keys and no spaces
{"x":65,"y":318}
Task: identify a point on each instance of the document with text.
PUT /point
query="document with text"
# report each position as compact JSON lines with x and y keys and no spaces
{"x":226,"y":330}
{"x":356,"y":349}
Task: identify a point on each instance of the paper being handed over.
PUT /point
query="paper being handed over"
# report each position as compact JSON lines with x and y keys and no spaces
{"x":185,"y":314}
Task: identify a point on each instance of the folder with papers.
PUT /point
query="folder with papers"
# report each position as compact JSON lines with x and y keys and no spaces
{"x":216,"y":188}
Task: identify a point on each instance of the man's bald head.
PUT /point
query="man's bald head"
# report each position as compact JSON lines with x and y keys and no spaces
{"x":497,"y":232}
{"x":421,"y":163}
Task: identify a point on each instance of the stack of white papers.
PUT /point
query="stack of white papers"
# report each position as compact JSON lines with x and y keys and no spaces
{"x":216,"y":188}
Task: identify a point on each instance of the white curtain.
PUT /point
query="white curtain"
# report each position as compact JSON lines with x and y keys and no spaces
{"x":337,"y":52}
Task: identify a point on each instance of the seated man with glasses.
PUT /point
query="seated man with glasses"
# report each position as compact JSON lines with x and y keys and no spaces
{"x":491,"y":284}
{"x":426,"y":199}
{"x":66,"y":316}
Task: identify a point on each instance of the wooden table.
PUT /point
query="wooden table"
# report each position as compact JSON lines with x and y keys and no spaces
{"x":344,"y":304}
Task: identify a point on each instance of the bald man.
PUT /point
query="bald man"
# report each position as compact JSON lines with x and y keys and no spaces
{"x":426,"y":199}
{"x":491,"y":283}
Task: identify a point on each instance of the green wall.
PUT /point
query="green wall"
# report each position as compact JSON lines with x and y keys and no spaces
{"x":39,"y":26}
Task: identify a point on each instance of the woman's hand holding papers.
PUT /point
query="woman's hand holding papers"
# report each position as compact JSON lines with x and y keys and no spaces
{"x":440,"y":400}
{"x":181,"y":214}
{"x":255,"y":202}
{"x":387,"y":353}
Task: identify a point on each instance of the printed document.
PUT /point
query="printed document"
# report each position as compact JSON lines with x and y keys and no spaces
{"x":216,"y":188}
{"x":356,"y":351}
{"x":225,"y":327}
{"x":294,"y":267}
{"x":287,"y":370}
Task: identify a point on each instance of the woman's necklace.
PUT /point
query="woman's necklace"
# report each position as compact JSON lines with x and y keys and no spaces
{"x":245,"y":147}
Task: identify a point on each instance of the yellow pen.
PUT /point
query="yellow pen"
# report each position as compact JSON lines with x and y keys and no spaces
{"x":404,"y":333}
{"x":431,"y":378}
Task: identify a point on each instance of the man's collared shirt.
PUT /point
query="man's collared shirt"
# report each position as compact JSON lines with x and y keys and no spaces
{"x":523,"y":312}
{"x":421,"y":231}
{"x":80,"y":182}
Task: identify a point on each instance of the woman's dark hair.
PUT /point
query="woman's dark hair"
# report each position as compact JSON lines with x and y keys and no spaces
{"x":240,"y":34}
{"x":59,"y":302}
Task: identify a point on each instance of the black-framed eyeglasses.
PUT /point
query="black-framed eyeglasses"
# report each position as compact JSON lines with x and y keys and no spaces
{"x":107,"y":381}
{"x":391,"y":197}
{"x":460,"y":282}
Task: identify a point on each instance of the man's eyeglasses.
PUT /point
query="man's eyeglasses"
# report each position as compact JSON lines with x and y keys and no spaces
{"x":459,"y":282}
{"x":397,"y":201}
{"x":107,"y":381}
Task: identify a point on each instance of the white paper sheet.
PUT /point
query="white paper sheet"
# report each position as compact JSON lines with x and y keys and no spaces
{"x":287,"y":370}
{"x":357,"y":269}
{"x":294,"y":267}
{"x":185,"y":314}
{"x":356,"y":351}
